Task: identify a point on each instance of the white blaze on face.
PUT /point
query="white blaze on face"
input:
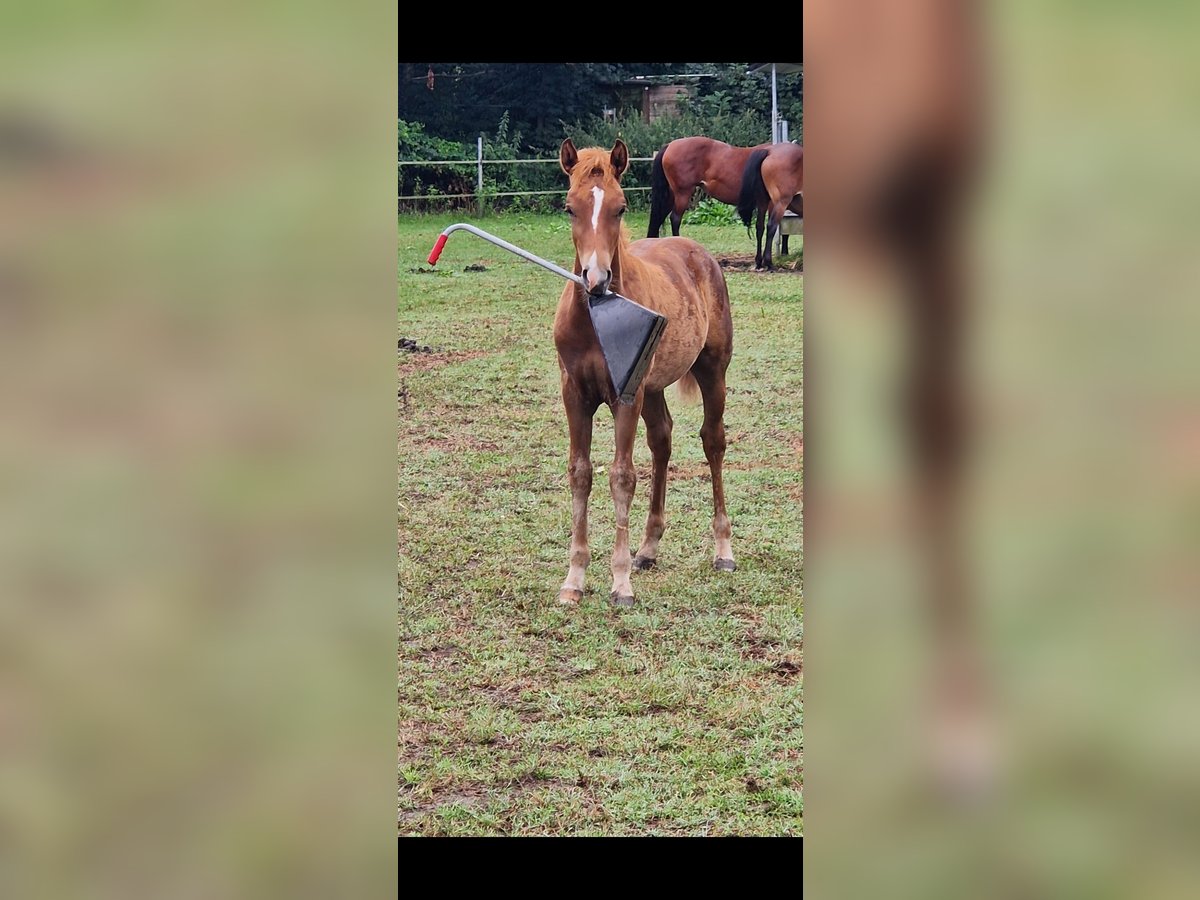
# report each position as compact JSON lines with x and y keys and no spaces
{"x":598,"y":201}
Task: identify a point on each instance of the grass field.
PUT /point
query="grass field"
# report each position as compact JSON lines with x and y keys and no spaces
{"x":680,"y":716}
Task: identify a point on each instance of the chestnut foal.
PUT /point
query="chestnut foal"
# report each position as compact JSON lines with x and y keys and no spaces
{"x":679,"y":279}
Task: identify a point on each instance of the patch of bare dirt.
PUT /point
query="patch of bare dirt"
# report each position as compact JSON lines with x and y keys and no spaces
{"x":411,"y":734}
{"x":509,"y":697}
{"x":788,"y":669}
{"x":687,"y":471}
{"x":421,"y":361}
{"x":736,"y":261}
{"x":744,"y":262}
{"x":458,"y":443}
{"x":440,"y":654}
{"x":758,"y":648}
{"x":472,"y":798}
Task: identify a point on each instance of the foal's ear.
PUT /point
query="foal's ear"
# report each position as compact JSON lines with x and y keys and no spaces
{"x":619,"y":157}
{"x":568,"y":156}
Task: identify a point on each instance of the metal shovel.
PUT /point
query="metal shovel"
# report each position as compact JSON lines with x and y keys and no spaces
{"x":628,"y":332}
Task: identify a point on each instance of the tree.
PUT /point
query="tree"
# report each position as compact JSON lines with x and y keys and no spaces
{"x":733,"y":90}
{"x":470,"y":98}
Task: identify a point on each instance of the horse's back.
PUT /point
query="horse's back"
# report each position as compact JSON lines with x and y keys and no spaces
{"x":716,"y":165}
{"x":686,"y":160}
{"x":697,"y":144}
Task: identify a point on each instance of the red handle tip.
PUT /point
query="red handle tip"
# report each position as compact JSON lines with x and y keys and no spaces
{"x":437,"y":249}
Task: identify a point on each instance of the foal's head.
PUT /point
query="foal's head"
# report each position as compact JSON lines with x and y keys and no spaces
{"x":595,"y":203}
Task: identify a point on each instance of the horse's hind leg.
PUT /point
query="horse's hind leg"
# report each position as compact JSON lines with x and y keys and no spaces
{"x":622,"y":479}
{"x":658,"y":436}
{"x":772,"y":227}
{"x":710,"y":374}
{"x":797,"y":206}
{"x":682,"y":201}
{"x":579,"y":471}
{"x":758,"y":236}
{"x":658,"y":215}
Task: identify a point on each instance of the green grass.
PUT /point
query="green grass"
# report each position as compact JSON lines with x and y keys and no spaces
{"x":680,"y":716}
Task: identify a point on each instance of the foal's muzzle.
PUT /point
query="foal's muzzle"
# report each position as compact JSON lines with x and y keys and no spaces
{"x":601,"y":286}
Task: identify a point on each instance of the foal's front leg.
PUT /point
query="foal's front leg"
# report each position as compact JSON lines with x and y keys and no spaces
{"x":622,"y":479}
{"x":579,"y":471}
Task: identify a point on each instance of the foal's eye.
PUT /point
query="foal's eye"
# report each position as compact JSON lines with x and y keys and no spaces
{"x":570,"y":212}
{"x":621,"y":211}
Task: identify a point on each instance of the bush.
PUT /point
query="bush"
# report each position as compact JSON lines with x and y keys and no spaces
{"x":712,"y":212}
{"x":644,"y":139}
{"x":414,"y":144}
{"x":743,"y":129}
{"x":518,"y":176}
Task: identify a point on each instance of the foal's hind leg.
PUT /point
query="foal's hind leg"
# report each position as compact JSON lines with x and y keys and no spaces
{"x":579,"y":470}
{"x":710,"y":374}
{"x":658,"y":436}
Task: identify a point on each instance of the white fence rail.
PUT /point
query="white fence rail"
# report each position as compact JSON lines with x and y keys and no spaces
{"x":479,"y":162}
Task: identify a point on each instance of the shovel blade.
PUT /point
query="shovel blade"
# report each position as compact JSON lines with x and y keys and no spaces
{"x":629,"y":334}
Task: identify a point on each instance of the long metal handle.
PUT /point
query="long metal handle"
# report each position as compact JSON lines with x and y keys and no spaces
{"x":511,"y":248}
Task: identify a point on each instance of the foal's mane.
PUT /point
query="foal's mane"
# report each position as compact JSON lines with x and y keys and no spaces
{"x":590,"y":159}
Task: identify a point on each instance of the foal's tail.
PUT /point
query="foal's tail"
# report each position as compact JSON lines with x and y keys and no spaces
{"x":752,"y":187}
{"x":687,"y":389}
{"x":662,"y":201}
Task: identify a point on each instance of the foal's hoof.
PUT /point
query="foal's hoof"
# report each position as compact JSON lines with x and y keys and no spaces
{"x":618,"y":600}
{"x":644,"y":563}
{"x":568,"y":597}
{"x":725,"y":565}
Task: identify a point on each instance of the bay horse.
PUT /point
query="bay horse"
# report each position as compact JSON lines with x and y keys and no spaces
{"x":772,"y":183}
{"x":678,"y":279}
{"x":687,"y":163}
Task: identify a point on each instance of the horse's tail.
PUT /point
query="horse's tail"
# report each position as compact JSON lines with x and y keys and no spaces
{"x":687,"y":389}
{"x":661,"y":199}
{"x":752,"y":186}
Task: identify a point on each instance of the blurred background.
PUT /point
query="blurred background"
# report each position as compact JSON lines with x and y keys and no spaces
{"x":197,"y":263}
{"x":197,"y":451}
{"x":1003,"y":449}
